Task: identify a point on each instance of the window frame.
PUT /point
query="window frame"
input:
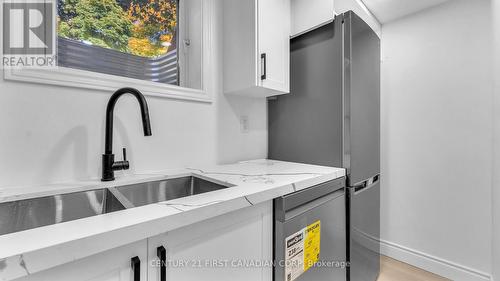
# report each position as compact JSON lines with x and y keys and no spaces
{"x":76,"y":78}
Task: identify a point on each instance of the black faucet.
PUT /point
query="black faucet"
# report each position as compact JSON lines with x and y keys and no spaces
{"x":109,"y":166}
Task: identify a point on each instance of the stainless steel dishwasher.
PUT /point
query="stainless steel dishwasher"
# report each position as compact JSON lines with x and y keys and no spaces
{"x":310,"y":234}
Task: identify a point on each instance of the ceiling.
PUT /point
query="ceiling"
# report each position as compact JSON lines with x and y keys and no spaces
{"x":388,"y":10}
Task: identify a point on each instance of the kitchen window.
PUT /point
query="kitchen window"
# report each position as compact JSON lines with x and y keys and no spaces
{"x":129,"y":38}
{"x":161,"y":47}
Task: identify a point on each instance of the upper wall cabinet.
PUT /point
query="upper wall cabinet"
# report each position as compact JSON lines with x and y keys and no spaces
{"x":257,"y":47}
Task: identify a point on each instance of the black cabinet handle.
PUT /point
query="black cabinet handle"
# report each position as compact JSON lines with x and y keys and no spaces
{"x":162,"y":255}
{"x":263,"y":58}
{"x":136,"y":267}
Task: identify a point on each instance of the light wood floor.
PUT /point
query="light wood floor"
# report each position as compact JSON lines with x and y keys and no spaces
{"x":393,"y":270}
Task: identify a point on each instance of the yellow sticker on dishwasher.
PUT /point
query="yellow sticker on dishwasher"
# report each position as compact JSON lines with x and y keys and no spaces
{"x":302,"y":250}
{"x":312,"y":244}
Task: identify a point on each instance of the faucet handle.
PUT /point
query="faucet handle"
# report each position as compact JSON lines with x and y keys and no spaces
{"x":124,"y":154}
{"x":121,"y":165}
{"x":125,"y":165}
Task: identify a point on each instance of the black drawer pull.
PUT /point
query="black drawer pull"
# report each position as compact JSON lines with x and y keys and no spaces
{"x":162,"y":255}
{"x":263,"y":57}
{"x":136,"y":267}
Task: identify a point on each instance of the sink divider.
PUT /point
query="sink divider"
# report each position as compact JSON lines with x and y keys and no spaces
{"x":125,"y":202}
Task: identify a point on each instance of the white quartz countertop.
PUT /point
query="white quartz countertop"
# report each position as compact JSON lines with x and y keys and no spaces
{"x":252,"y":182}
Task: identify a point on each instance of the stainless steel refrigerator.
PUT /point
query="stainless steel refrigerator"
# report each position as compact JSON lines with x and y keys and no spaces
{"x":332,"y":117}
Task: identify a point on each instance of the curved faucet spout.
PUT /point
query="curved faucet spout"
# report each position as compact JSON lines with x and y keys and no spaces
{"x":109,"y":165}
{"x":146,"y":124}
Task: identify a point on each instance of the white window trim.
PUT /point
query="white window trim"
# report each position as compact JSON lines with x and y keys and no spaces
{"x":77,"y":78}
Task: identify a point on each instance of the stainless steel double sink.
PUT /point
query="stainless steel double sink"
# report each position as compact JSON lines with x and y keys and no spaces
{"x":36,"y":212}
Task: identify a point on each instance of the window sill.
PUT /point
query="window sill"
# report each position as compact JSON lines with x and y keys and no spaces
{"x":91,"y":80}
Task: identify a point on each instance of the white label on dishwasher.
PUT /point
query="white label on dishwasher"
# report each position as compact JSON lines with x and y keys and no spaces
{"x":294,"y":255}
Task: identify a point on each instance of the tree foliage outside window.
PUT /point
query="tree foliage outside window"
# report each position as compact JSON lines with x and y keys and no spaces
{"x":145,"y":28}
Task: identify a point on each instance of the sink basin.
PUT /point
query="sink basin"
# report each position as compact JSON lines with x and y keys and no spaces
{"x":158,"y":191}
{"x":31,"y":213}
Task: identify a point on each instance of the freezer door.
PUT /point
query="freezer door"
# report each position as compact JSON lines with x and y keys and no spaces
{"x":364,"y":232}
{"x":361,"y":87}
{"x":330,"y":212}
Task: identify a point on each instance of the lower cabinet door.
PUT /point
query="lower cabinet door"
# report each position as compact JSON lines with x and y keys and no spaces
{"x":234,"y":246}
{"x":126,"y":263}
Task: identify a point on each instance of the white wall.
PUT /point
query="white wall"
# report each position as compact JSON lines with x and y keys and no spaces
{"x":56,"y":134}
{"x":307,"y":14}
{"x":496,"y":163}
{"x":360,"y":9}
{"x":437,"y":139}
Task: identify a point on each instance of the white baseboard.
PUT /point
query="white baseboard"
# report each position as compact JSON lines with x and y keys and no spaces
{"x":439,"y":266}
{"x":432,"y":264}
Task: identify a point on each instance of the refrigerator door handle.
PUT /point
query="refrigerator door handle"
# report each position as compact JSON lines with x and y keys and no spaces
{"x":366,"y":184}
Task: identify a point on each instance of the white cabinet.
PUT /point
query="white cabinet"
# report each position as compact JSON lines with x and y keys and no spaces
{"x":217,"y":249}
{"x":223,"y":248}
{"x":112,"y":265}
{"x":257,"y":47}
